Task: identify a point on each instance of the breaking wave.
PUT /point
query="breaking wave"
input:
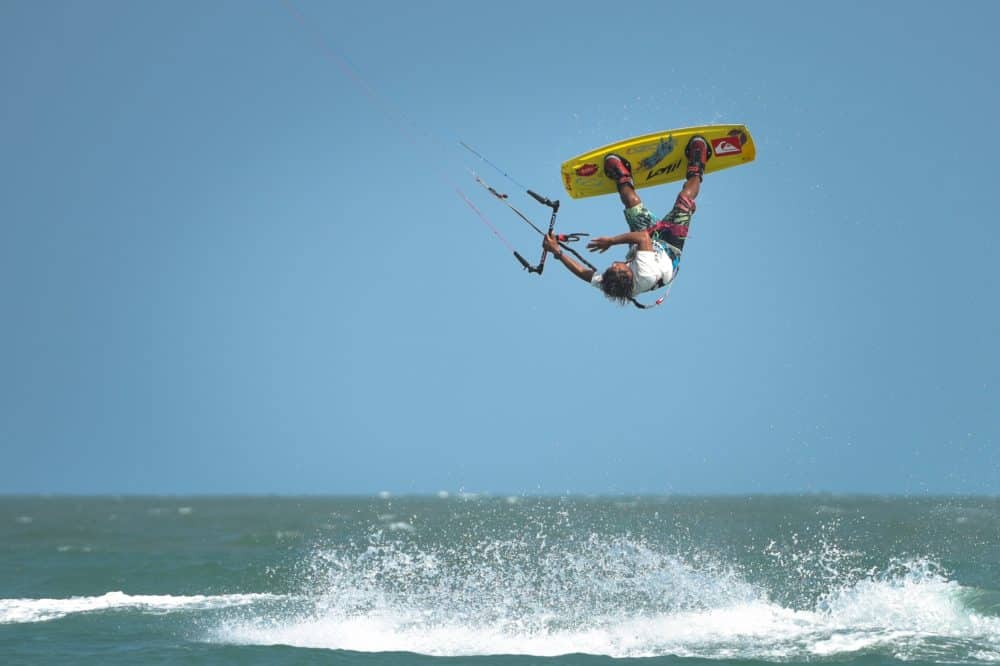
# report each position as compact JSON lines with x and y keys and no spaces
{"x":618,"y":597}
{"x":13,"y":611}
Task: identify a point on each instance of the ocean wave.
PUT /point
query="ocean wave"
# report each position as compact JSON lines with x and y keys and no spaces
{"x":614,"y":597}
{"x":14,"y":611}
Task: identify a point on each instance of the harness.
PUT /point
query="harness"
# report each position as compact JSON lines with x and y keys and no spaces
{"x":675,"y":260}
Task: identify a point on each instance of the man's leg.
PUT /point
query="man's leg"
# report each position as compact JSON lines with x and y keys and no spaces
{"x":628,"y":195}
{"x":698,"y":154}
{"x":673,"y":229}
{"x":691,"y":188}
{"x":618,"y":169}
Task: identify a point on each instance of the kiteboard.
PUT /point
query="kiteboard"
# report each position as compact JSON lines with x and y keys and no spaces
{"x":657,"y":158}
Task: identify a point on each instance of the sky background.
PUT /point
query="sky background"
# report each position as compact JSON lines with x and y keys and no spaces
{"x":233,"y":258}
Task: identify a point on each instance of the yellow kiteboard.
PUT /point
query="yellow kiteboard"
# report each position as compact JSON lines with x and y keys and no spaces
{"x":657,"y":158}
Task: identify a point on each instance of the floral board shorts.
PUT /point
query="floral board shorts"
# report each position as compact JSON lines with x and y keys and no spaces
{"x":670,"y":238}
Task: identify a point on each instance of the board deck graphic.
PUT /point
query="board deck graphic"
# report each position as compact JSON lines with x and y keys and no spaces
{"x":657,"y":158}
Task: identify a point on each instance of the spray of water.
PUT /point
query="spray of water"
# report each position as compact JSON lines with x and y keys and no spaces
{"x":621,"y":597}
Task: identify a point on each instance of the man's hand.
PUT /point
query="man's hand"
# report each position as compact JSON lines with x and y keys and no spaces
{"x":640,"y":239}
{"x":550,"y":243}
{"x":600,"y":244}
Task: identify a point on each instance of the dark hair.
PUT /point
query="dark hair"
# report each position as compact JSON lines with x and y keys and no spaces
{"x":617,"y":285}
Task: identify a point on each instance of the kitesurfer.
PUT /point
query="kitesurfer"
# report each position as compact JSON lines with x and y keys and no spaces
{"x":655,"y":247}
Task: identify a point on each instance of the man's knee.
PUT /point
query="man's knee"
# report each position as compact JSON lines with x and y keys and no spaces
{"x":685,"y":204}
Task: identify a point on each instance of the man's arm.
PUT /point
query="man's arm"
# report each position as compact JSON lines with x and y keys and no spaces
{"x":552,"y":245}
{"x":640,"y":238}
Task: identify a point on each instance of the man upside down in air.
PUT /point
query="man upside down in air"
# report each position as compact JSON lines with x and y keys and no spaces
{"x":655,"y":247}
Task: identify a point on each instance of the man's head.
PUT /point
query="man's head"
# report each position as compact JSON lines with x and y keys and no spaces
{"x":617,"y":282}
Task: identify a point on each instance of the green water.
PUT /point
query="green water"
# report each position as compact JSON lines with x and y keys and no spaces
{"x":496,"y":580}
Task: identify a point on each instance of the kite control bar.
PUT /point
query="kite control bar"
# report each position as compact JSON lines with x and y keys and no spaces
{"x":545,"y":201}
{"x":554,"y":205}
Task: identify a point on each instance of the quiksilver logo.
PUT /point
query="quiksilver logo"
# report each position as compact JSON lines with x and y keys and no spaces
{"x":726,"y":147}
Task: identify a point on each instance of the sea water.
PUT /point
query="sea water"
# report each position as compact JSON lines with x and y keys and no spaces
{"x":499,"y":580}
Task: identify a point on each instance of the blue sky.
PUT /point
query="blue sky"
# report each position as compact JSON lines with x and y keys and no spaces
{"x":232,"y":257}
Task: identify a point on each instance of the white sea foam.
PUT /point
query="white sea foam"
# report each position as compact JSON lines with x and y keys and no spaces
{"x":14,"y":611}
{"x":748,"y":631}
{"x":612,"y":597}
{"x":401,"y":526}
